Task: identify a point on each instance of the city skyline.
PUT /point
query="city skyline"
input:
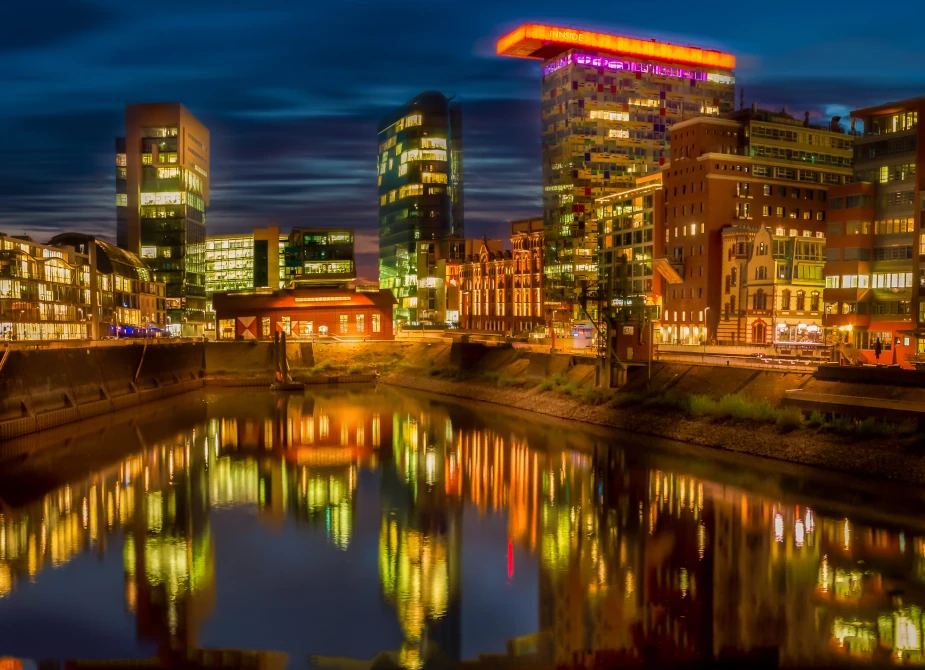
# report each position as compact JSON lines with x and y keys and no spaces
{"x":282,"y":130}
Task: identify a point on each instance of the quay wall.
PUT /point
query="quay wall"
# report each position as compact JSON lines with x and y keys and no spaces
{"x":43,"y":388}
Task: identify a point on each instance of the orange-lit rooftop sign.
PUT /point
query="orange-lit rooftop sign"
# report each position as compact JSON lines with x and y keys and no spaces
{"x":544,"y":42}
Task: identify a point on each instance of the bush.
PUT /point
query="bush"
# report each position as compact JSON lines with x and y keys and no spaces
{"x":701,"y":405}
{"x":593,"y":397}
{"x":553,"y":382}
{"x":870,"y":428}
{"x":570,"y":389}
{"x":816,"y":419}
{"x":355,"y":369}
{"x":433,"y":372}
{"x":841,"y":424}
{"x":788,"y":419}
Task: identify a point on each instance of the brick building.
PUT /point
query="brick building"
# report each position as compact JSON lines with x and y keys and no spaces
{"x":502,"y":291}
{"x":751,"y":167}
{"x":304,"y":313}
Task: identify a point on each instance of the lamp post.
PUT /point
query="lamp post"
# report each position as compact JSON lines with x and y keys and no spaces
{"x":706,"y":332}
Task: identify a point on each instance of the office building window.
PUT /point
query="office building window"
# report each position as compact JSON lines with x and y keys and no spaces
{"x":226,"y":329}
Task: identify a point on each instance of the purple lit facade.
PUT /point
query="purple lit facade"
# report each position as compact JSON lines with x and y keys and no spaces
{"x":634,"y":66}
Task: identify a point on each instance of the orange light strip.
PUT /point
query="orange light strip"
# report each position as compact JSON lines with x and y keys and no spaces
{"x":525,"y":41}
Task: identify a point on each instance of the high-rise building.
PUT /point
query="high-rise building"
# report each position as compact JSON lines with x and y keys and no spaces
{"x":162,"y":192}
{"x":875,"y":282}
{"x":608,"y":105}
{"x":420,"y":190}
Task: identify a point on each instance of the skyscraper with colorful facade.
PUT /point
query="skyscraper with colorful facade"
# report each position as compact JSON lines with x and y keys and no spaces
{"x":608,"y":104}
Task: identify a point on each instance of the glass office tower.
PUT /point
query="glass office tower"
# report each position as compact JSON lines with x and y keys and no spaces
{"x":420,"y":180}
{"x":162,"y":192}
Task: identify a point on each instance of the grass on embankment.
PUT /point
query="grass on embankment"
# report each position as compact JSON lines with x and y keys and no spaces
{"x":734,"y":408}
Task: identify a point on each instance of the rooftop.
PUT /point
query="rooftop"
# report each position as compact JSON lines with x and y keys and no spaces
{"x":544,"y":42}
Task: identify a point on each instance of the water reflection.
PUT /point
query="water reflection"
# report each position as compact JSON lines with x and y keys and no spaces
{"x":642,"y":557}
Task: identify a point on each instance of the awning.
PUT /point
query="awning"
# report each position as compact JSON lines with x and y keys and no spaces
{"x":664,"y":267}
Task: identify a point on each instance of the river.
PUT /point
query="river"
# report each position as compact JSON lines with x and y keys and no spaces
{"x":337,"y":526}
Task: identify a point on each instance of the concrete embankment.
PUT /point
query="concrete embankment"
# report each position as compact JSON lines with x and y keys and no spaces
{"x":43,"y":388}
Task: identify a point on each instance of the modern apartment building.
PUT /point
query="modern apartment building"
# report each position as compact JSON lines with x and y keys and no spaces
{"x":754,"y":168}
{"x":608,"y":106}
{"x":162,"y":193}
{"x":420,"y":177}
{"x":76,"y":288}
{"x":875,"y":283}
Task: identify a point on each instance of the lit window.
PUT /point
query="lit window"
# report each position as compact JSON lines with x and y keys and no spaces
{"x":149,"y":252}
{"x":343,"y":323}
{"x":265,"y":326}
{"x":361,"y":323}
{"x":377,"y":325}
{"x":121,"y":200}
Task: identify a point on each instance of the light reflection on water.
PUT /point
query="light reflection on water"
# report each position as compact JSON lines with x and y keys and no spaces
{"x":638,"y":555}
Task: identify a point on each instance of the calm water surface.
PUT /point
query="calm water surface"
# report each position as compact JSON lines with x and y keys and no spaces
{"x":339,"y":525}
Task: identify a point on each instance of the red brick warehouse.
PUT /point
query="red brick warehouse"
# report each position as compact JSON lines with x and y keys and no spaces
{"x":304,"y":313}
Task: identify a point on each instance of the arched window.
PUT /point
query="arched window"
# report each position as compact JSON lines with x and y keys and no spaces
{"x":761,"y":273}
{"x":814,"y":301}
{"x":801,"y":300}
{"x":759,"y":332}
{"x":785,"y":300}
{"x":728,"y":283}
{"x":733,"y":275}
{"x":760,"y":300}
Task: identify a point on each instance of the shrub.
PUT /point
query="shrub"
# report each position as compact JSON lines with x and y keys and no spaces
{"x":816,"y":419}
{"x":701,"y":405}
{"x":433,"y":372}
{"x":870,"y":428}
{"x":788,"y":419}
{"x":571,"y":389}
{"x":736,"y":407}
{"x":553,"y":382}
{"x":593,"y":397}
{"x":355,"y":369}
{"x":841,"y":424}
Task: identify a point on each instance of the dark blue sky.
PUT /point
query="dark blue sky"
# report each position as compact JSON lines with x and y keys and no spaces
{"x":292,"y":90}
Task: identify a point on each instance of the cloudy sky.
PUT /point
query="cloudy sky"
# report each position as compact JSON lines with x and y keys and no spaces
{"x":292,"y":89}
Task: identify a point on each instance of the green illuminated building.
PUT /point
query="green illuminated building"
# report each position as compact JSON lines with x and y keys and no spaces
{"x":420,"y":179}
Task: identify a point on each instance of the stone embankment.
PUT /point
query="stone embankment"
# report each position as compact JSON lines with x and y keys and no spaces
{"x":43,"y":388}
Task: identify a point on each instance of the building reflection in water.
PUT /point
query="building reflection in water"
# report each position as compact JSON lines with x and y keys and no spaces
{"x":642,"y":557}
